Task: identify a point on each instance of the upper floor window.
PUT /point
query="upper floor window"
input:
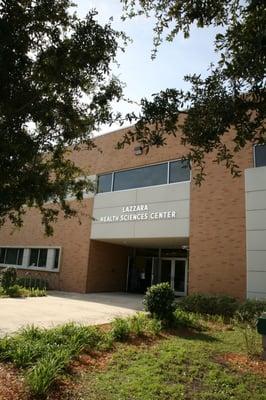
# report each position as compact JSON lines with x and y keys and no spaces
{"x":260,"y":155}
{"x":140,"y":177}
{"x":104,"y":183}
{"x":179,"y":171}
{"x":150,"y":175}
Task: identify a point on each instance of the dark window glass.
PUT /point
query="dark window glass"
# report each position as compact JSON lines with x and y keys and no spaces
{"x":260,"y":155}
{"x":141,"y":177}
{"x":104,"y":183}
{"x":179,"y":171}
{"x":2,"y":255}
{"x":56,"y":259}
{"x":42,"y":258}
{"x":34,"y":257}
{"x":20,"y":256}
{"x":11,"y":256}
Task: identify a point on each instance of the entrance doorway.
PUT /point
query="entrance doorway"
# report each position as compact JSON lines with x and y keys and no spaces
{"x":174,"y":271}
{"x":146,"y":269}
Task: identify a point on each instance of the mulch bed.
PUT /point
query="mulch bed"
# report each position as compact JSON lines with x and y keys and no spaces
{"x":11,"y":384}
{"x":243,"y":363}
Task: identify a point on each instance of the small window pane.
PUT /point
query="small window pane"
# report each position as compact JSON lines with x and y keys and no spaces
{"x":2,"y":255}
{"x":11,"y":256}
{"x":179,"y":171}
{"x":42,"y":258}
{"x":104,"y":183}
{"x":260,"y":155}
{"x":141,"y":177}
{"x":20,"y":256}
{"x":56,"y":259}
{"x":34,"y":257}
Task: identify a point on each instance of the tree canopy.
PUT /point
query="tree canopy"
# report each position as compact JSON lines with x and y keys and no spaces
{"x":56,"y":89}
{"x":233,"y":93}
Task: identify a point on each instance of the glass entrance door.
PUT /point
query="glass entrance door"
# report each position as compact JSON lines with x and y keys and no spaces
{"x":174,"y":271}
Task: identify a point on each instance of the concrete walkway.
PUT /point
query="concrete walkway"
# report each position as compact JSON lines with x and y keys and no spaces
{"x":60,"y":307}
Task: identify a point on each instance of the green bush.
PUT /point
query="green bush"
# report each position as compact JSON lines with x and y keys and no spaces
{"x":154,"y":326}
{"x":250,"y":310}
{"x":120,"y":329}
{"x":8,"y":277}
{"x":222,"y":305}
{"x":16,"y":291}
{"x":31,"y":282}
{"x":40,"y":378}
{"x":138,"y":324}
{"x":159,"y":301}
{"x":36,"y":292}
{"x":185,"y":319}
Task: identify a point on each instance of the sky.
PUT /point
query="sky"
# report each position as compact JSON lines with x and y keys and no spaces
{"x":141,"y":75}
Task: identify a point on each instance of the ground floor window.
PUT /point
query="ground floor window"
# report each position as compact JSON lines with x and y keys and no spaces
{"x":31,"y":257}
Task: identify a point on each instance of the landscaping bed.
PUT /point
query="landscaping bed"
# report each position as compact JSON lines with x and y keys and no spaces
{"x":168,"y":353}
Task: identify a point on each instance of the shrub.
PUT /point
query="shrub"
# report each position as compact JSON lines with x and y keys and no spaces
{"x":222,"y":305}
{"x":48,"y":368}
{"x":8,"y":277}
{"x":154,"y":326}
{"x":250,"y":310}
{"x":120,"y":329}
{"x":31,"y":282}
{"x":186,"y":320}
{"x":16,"y":291}
{"x":36,"y":292}
{"x":139,"y":324}
{"x":159,"y":301}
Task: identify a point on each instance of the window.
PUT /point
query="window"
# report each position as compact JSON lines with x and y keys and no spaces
{"x":260,"y":155}
{"x":38,"y":258}
{"x":45,"y":258}
{"x":11,"y":256}
{"x":151,"y":175}
{"x":56,"y":259}
{"x":179,"y":171}
{"x":141,"y":177}
{"x":104,"y":183}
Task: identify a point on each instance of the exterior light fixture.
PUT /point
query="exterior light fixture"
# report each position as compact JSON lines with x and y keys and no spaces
{"x":138,"y":150}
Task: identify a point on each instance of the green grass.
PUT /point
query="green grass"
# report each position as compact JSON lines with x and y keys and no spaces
{"x":176,"y":368}
{"x":183,"y":365}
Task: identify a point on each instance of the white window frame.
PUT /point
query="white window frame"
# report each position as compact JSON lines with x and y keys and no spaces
{"x":28,"y":267}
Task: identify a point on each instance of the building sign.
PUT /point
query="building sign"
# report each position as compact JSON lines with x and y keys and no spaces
{"x":139,"y":212}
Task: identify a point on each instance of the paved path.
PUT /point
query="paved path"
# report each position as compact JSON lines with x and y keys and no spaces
{"x":60,"y":307}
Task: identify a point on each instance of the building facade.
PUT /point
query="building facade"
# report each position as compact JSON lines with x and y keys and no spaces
{"x":149,"y":223}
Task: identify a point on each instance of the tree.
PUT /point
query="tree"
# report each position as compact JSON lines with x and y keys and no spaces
{"x":232,"y":95}
{"x":56,"y":89}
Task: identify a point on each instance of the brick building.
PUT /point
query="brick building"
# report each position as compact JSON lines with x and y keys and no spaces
{"x":152,"y":224}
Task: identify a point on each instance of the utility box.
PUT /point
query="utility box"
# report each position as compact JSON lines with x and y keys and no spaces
{"x":261,"y":324}
{"x":261,"y":328}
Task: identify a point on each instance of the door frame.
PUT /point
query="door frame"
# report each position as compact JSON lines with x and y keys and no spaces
{"x":173,"y":260}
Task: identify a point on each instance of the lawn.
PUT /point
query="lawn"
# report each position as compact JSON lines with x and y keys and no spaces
{"x":133,"y":359}
{"x":188,"y":367}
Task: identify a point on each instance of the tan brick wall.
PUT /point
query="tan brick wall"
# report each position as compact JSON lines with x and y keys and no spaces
{"x":217,"y":231}
{"x":217,"y":227}
{"x":72,"y":236}
{"x":107,"y":267}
